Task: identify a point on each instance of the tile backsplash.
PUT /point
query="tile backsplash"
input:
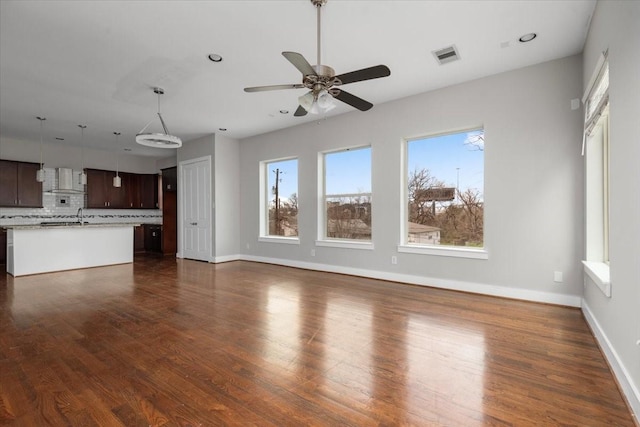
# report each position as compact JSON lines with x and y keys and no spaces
{"x":64,"y":207}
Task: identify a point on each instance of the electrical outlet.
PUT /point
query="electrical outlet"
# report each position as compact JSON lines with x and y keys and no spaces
{"x":557,"y":276}
{"x":248,"y":246}
{"x":313,"y":252}
{"x":394,"y":260}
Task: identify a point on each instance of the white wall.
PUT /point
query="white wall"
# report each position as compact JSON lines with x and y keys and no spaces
{"x":167,"y":162}
{"x":225,"y":155}
{"x":533,"y":184}
{"x":227,"y":198}
{"x":55,"y":156}
{"x":616,"y":320}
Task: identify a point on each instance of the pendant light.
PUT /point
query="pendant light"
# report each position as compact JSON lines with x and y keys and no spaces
{"x":117,"y":181}
{"x":40,"y":173}
{"x":158,"y":140}
{"x":83,"y":175}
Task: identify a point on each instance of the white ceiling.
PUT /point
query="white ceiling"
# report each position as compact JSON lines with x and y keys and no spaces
{"x":95,"y":62}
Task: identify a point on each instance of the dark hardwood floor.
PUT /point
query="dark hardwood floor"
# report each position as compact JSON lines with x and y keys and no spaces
{"x":184,"y":343}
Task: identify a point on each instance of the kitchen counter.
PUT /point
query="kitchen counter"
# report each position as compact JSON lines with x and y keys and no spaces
{"x":37,"y":248}
{"x":52,"y":225}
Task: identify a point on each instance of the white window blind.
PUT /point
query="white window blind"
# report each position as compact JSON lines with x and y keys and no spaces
{"x":596,"y":97}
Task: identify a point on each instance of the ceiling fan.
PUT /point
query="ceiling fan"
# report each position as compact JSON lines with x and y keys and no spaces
{"x":322,"y":82}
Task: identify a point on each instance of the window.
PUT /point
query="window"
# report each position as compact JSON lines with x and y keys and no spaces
{"x":346,"y":204}
{"x":596,"y":150}
{"x":445,"y":191}
{"x":280,"y":206}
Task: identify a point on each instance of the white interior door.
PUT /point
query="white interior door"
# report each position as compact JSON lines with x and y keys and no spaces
{"x":195,"y":185}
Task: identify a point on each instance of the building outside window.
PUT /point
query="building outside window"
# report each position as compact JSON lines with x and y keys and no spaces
{"x":347,"y":194}
{"x":280,"y":190}
{"x":445,"y":190}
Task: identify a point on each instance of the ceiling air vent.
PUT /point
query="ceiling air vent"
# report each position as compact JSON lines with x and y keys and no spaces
{"x":447,"y":54}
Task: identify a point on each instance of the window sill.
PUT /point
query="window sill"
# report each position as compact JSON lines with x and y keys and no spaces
{"x":347,"y":244}
{"x":599,"y":274}
{"x":448,"y":251}
{"x":279,"y":239}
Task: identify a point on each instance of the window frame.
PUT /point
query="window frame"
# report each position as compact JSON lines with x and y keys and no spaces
{"x":322,"y":238}
{"x":596,"y":149}
{"x":435,"y":250}
{"x":264,"y":190}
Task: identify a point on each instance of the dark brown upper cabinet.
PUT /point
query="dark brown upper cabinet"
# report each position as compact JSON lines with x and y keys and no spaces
{"x":18,"y":185}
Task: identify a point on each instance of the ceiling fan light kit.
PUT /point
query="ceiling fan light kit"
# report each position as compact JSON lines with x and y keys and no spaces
{"x":158,"y":140}
{"x":322,"y":81}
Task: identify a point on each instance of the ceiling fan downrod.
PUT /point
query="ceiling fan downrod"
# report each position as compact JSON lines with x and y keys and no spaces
{"x":318,"y":4}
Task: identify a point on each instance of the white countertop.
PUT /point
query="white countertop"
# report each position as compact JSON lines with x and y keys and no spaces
{"x":70,"y":225}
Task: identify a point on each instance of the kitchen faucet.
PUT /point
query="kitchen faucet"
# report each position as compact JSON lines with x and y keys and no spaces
{"x":80,"y":215}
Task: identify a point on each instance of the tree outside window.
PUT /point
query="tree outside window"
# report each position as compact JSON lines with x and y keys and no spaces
{"x":347,"y":194}
{"x":445,"y":189}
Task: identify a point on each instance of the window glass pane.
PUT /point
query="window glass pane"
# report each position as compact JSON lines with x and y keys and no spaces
{"x":349,"y":217}
{"x":445,"y":183}
{"x":347,"y":195}
{"x":348,"y":172}
{"x":282,"y":200}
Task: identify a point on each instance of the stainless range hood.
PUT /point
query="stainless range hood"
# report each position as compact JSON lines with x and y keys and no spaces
{"x":64,"y":183}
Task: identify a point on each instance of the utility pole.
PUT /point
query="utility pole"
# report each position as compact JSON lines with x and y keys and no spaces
{"x":277,"y":196}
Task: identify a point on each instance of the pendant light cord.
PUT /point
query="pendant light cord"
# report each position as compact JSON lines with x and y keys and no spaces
{"x":82,"y":128}
{"x":117,"y":134}
{"x":166,"y":131}
{"x":42,"y":119}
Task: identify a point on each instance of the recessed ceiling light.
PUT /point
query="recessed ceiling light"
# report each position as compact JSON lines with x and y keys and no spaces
{"x":222,"y":129}
{"x":127,"y":149}
{"x":527,"y":37}
{"x":284,"y":111}
{"x":214,"y":57}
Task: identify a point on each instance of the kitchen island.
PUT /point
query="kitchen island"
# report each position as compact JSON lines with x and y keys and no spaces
{"x":33,"y":249}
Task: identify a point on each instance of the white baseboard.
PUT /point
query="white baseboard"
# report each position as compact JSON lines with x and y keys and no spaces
{"x":478,"y":288}
{"x":226,"y":258}
{"x":629,"y":389}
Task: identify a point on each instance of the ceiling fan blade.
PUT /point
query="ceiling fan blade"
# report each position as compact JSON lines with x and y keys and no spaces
{"x":352,"y":100}
{"x":300,"y":112}
{"x":272,"y":87}
{"x":300,"y":63}
{"x":365,"y":74}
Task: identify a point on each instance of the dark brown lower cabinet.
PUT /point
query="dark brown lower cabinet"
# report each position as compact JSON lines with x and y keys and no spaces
{"x":169,"y":222}
{"x":152,"y":238}
{"x":138,"y":239}
{"x":3,"y":246}
{"x":147,"y":238}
